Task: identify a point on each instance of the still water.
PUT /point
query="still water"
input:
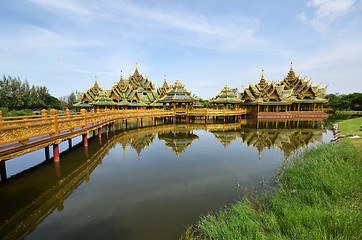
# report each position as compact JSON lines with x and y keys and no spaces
{"x":146,"y":183}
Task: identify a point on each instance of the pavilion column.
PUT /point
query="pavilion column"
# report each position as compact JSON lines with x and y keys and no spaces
{"x":99,"y":132}
{"x":113,"y":128}
{"x":163,"y":120}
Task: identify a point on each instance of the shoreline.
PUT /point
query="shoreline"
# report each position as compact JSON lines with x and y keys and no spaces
{"x":318,"y":197}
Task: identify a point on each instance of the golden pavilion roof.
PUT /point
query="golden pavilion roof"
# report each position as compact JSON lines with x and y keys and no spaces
{"x":178,"y":93}
{"x":290,"y":89}
{"x":226,"y":96}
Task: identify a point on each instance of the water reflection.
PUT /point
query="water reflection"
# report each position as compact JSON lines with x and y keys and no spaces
{"x":29,"y":198}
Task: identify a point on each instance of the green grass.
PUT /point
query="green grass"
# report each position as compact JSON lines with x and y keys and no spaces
{"x":319,"y":197}
{"x":351,"y":127}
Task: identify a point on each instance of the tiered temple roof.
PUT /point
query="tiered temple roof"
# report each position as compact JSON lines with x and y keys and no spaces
{"x":264,"y":92}
{"x":136,"y":91}
{"x":292,"y":89}
{"x":178,"y":93}
{"x":226,"y":96}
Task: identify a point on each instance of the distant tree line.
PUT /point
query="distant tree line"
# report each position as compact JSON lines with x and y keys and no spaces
{"x":16,"y":95}
{"x":352,"y":101}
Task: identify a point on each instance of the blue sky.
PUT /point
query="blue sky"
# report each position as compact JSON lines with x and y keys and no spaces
{"x":205,"y":44}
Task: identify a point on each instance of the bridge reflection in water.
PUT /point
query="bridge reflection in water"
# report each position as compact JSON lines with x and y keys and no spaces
{"x":27,"y":199}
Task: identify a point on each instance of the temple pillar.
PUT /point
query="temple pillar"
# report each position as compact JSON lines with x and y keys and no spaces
{"x":152,"y":121}
{"x":107,"y":128}
{"x":56,"y":152}
{"x":138,"y":123}
{"x":163,"y":120}
{"x":99,"y":132}
{"x":206,"y":119}
{"x":224,"y":119}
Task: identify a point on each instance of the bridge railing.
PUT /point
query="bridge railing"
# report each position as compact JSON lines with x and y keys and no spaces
{"x":21,"y":129}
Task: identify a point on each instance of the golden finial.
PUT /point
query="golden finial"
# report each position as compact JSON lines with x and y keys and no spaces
{"x":291,"y":66}
{"x":96,"y":78}
{"x":136,"y":65}
{"x":164,"y":76}
{"x":121,"y":74}
{"x":262,"y":74}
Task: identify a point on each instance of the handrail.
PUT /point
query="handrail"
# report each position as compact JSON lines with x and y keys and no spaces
{"x":21,"y":129}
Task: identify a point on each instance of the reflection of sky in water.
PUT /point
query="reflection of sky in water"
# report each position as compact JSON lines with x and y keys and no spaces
{"x":156,"y":195}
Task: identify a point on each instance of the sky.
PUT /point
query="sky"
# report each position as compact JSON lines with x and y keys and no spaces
{"x":206,"y":44}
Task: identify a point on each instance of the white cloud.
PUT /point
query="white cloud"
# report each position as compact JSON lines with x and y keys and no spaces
{"x":71,"y":6}
{"x":189,"y":28}
{"x":327,"y":12}
{"x":302,"y":17}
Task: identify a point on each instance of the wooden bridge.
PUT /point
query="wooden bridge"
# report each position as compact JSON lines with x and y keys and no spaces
{"x":21,"y":135}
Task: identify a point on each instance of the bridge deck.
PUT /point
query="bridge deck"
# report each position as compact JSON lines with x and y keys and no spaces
{"x":21,"y":135}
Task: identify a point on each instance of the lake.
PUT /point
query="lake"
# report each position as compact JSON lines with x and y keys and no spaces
{"x":148,"y":182}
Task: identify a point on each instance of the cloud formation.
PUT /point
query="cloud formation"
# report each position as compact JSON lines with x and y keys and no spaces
{"x":327,"y":11}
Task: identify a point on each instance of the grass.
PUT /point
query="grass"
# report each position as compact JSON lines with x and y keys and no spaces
{"x":319,"y":197}
{"x":351,"y":127}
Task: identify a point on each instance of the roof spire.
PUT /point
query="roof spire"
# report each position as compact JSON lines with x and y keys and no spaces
{"x":262,"y":74}
{"x":164,"y":76}
{"x":121,"y":74}
{"x":96,"y":79}
{"x":291,"y":66}
{"x":136,"y":65}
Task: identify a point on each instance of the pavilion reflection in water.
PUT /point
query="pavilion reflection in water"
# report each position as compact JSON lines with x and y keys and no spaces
{"x":25,"y":215}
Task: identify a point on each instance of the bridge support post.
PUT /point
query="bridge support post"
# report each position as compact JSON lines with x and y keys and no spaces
{"x":47,"y":155}
{"x":56,"y":152}
{"x":85,"y":140}
{"x":57,"y":168}
{"x":3,"y":176}
{"x":86,"y":151}
{"x":70,"y":143}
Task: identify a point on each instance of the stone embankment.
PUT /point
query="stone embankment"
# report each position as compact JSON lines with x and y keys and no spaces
{"x":336,"y":133}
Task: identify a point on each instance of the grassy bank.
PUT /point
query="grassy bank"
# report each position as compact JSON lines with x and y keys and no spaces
{"x":319,"y":197}
{"x":351,"y":127}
